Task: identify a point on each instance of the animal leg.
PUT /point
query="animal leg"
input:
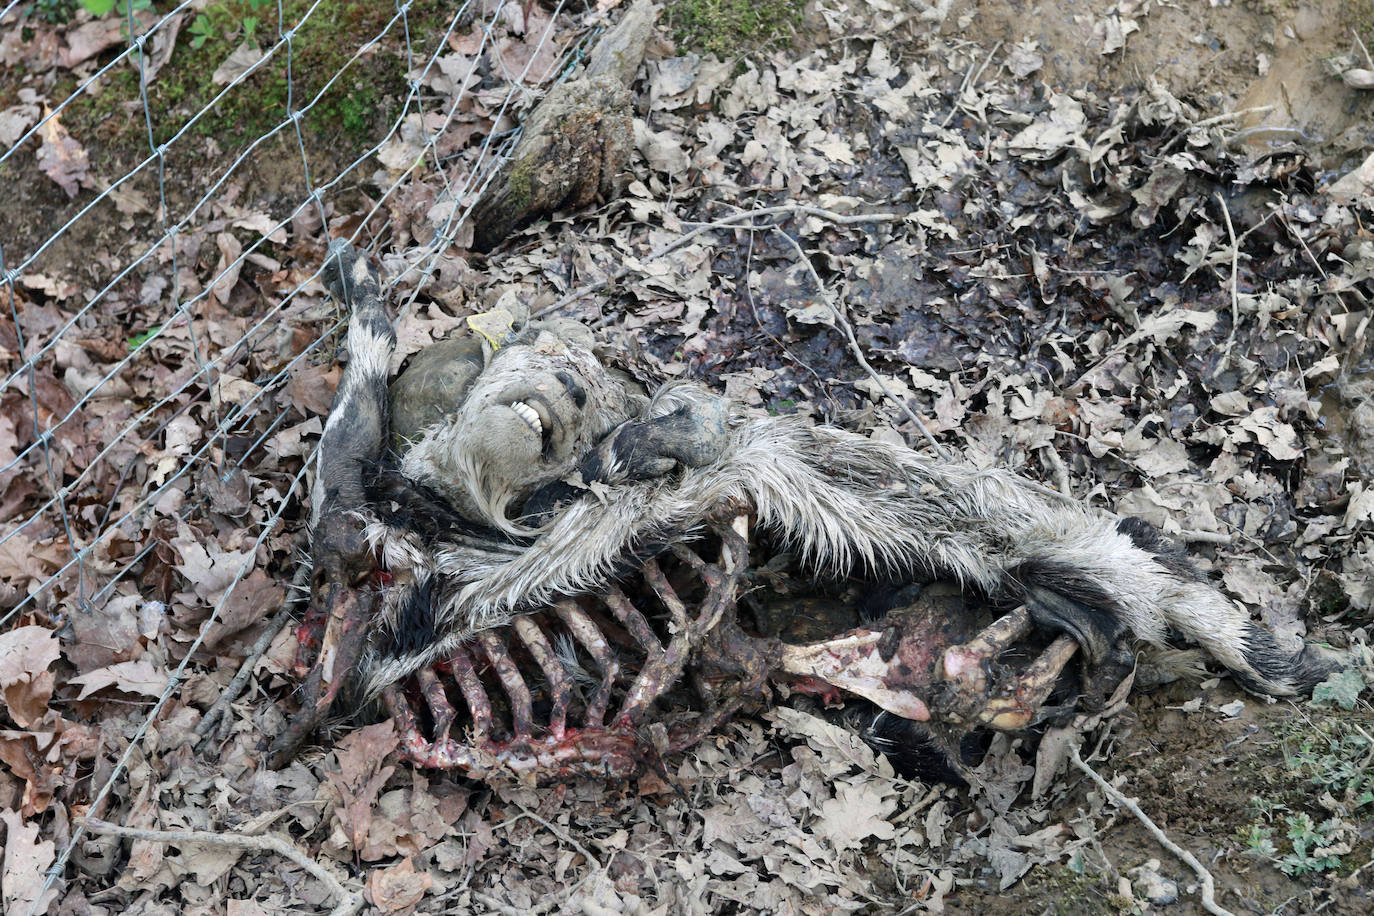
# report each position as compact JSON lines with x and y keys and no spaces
{"x":972,"y":694}
{"x":342,"y":597}
{"x":683,"y":425}
{"x":1018,"y":702}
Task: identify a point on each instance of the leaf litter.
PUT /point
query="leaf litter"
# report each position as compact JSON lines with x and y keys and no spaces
{"x":1097,"y":288}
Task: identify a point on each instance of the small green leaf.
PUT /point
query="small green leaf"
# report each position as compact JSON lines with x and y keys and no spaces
{"x":98,"y":7}
{"x":139,"y":340}
{"x":1342,"y":688}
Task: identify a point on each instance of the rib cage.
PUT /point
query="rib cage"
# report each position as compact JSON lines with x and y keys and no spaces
{"x":509,"y":703}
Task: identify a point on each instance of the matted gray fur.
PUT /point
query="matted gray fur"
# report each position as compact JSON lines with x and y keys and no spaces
{"x":544,"y":413}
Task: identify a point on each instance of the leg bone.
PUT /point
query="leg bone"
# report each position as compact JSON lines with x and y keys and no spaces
{"x":966,"y":666}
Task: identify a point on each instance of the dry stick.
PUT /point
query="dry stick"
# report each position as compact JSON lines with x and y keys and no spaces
{"x":1340,"y":293}
{"x":1209,"y":902}
{"x":1212,"y":121}
{"x":838,"y":219}
{"x":1317,"y":264}
{"x":970,"y":78}
{"x":491,"y":903}
{"x":526,"y":814}
{"x":235,"y":687}
{"x":1061,"y":473}
{"x":347,"y":902}
{"x":1235,"y":284}
{"x":843,"y":324}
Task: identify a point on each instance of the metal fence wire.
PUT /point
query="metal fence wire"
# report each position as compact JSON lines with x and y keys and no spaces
{"x":114,"y":452}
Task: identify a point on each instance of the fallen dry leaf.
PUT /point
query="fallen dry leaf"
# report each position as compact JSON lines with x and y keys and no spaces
{"x":361,"y":776}
{"x":256,"y":598}
{"x":398,"y":888}
{"x":25,"y":682}
{"x":104,"y":634}
{"x":60,"y":157}
{"x":89,"y":39}
{"x":311,"y":388}
{"x":140,"y":676}
{"x":20,"y":752}
{"x":26,"y":859}
{"x":239,"y":62}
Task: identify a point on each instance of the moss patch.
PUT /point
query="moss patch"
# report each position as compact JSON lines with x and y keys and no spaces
{"x":367,"y":92}
{"x":728,"y":28}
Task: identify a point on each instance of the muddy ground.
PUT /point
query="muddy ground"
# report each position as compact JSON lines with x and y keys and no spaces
{"x":1133,"y":258}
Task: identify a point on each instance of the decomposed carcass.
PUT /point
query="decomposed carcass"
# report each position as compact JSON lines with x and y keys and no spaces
{"x":540,"y":569}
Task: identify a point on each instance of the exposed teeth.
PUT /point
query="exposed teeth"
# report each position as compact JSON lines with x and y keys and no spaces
{"x":528,"y":414}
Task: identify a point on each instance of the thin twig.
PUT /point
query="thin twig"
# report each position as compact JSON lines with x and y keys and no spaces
{"x":1206,"y":537}
{"x":235,"y":687}
{"x":839,"y":219}
{"x":1209,"y":902}
{"x":1235,"y":283}
{"x":843,"y":324}
{"x":526,"y":814}
{"x":970,"y":77}
{"x":1190,"y":126}
{"x":347,"y":902}
{"x":1230,"y":116}
{"x":1303,"y":242}
{"x":491,"y":903}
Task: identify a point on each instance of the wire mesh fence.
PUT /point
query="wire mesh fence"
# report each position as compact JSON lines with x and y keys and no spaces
{"x":162,"y":378}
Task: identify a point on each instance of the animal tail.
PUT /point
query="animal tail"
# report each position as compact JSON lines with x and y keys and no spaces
{"x":1147,"y":585}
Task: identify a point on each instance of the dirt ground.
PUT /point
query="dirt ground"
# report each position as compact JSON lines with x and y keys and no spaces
{"x":1131,"y":257}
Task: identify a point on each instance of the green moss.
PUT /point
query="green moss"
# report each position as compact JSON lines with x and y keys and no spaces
{"x":727,"y":28}
{"x":521,"y":184}
{"x":366,"y":95}
{"x":1359,"y":15}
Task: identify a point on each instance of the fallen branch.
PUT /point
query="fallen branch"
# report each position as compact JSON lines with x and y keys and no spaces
{"x":838,"y":219}
{"x":575,"y":144}
{"x":1235,"y":285}
{"x":347,"y":902}
{"x":1209,"y":902}
{"x":842,"y":322}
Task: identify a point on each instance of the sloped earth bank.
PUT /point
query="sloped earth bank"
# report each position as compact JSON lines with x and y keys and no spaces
{"x":1105,"y":275}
